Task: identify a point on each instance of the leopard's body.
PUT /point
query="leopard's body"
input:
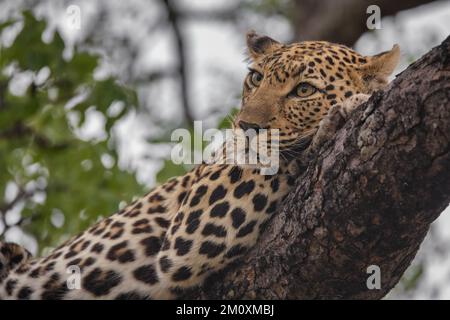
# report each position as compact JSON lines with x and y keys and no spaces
{"x":196,"y":224}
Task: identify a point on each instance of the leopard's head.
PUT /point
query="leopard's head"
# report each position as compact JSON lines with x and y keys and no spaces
{"x":292,"y":87}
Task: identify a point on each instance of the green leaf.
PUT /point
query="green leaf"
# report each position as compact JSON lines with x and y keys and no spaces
{"x":6,"y":24}
{"x":28,"y":49}
{"x":38,"y":146}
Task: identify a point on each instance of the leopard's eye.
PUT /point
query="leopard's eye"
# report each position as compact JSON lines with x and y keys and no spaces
{"x":256,"y":78}
{"x":304,"y":90}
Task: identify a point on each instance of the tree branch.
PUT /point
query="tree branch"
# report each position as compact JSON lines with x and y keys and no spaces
{"x":340,"y":21}
{"x":182,"y":63}
{"x":367,"y":199}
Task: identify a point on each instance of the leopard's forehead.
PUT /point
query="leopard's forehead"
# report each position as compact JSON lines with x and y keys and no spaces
{"x":310,"y":57}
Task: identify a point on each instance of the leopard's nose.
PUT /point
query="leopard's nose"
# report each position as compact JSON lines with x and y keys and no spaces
{"x":247,"y":125}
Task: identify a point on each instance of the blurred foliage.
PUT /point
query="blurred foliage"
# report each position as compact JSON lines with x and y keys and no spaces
{"x":63,"y":181}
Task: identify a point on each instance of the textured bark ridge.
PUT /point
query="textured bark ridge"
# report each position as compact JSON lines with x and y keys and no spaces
{"x":367,"y":199}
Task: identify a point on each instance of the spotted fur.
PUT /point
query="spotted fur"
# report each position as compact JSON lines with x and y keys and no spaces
{"x":174,"y":237}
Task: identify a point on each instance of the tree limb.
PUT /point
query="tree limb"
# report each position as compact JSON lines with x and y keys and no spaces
{"x":340,"y":21}
{"x":368,"y":198}
{"x":182,"y":63}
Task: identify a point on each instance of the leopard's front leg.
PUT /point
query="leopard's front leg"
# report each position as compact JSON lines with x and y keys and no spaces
{"x":332,"y":122}
{"x":218,"y":221}
{"x":114,"y":258}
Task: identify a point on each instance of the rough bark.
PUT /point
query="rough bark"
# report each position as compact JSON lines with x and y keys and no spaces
{"x":368,"y":198}
{"x":340,"y":21}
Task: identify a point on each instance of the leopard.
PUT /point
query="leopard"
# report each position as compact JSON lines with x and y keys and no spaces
{"x":175,"y":237}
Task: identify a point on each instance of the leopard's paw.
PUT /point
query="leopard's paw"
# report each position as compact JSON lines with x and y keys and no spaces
{"x":346,"y":108}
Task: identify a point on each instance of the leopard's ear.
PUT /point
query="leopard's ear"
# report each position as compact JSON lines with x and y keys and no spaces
{"x":260,"y":45}
{"x":376,"y":71}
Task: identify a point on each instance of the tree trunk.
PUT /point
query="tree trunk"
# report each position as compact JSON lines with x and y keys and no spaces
{"x":340,"y":21}
{"x":368,"y":198}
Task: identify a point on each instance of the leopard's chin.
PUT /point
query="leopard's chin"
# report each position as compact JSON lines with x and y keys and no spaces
{"x":296,"y":147}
